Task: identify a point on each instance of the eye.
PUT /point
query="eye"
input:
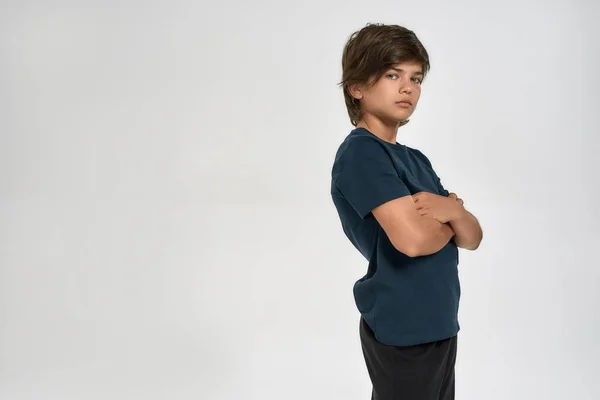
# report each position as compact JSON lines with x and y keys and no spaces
{"x":418,"y":80}
{"x":392,"y":76}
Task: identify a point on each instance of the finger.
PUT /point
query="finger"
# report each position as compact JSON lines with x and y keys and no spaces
{"x":453,"y":195}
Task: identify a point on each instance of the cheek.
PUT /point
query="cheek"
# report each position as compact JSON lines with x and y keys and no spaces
{"x":417,"y":93}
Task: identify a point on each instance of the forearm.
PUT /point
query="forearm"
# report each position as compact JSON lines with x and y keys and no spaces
{"x":436,"y":236}
{"x":468,"y":233}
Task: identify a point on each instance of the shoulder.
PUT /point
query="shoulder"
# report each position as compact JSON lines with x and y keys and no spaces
{"x":359,"y":140}
{"x":361,"y":155}
{"x":358,"y":145}
{"x":420,"y":155}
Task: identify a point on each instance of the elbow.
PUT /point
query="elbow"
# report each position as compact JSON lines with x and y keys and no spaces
{"x":475,"y":245}
{"x":411,"y":252}
{"x":471,"y":244}
{"x":411,"y":247}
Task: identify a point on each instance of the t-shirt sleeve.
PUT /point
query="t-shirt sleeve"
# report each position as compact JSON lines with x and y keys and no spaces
{"x":366,"y":177}
{"x":438,"y":181}
{"x":443,"y":190}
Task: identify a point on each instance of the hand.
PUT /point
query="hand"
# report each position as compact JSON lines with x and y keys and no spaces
{"x":441,"y":208}
{"x":455,"y":197}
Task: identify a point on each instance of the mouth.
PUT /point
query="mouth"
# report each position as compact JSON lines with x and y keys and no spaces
{"x":404,"y":103}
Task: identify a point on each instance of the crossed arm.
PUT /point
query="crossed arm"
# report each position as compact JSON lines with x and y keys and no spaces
{"x":423,"y":223}
{"x":450,"y":210}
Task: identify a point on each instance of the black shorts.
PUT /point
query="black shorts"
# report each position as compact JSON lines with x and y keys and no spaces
{"x":421,"y":372}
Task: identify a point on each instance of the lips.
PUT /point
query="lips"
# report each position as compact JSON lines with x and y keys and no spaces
{"x":404,"y":104}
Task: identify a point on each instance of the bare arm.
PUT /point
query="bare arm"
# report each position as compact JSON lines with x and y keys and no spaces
{"x":434,"y":239}
{"x":409,"y":232}
{"x":468,"y":233}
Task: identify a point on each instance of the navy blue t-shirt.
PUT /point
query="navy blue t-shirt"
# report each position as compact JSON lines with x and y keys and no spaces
{"x":405,"y":300}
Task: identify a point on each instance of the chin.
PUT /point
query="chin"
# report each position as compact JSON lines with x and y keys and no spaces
{"x":396,"y":117}
{"x":402,"y":116}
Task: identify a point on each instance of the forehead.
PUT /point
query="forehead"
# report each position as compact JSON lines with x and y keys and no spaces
{"x":409,"y":66}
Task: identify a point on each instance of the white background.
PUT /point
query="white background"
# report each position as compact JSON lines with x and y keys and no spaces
{"x":166,"y":226}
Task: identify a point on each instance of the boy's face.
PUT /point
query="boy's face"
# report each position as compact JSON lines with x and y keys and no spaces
{"x":395,"y":96}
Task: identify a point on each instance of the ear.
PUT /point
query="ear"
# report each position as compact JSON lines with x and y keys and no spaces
{"x":355,"y":91}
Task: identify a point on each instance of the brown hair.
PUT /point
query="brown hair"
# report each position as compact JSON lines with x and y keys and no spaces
{"x":373,"y":50}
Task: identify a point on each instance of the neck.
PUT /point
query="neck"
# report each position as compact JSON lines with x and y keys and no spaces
{"x":382,"y":130}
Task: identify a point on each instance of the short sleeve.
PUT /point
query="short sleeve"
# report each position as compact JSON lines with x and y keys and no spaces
{"x":443,"y":190}
{"x":365,"y":175}
{"x":438,"y":181}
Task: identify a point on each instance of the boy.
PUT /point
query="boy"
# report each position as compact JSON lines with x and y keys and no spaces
{"x":395,"y":211}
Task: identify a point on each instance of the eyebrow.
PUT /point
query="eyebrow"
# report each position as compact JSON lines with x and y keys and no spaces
{"x":401,"y":70}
